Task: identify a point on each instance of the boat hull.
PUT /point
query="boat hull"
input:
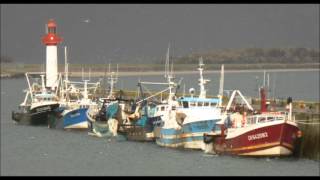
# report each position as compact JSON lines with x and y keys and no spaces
{"x":189,"y":136}
{"x":274,"y":139}
{"x":137,"y":133}
{"x":141,"y":131}
{"x":36,"y":116}
{"x":69,"y":119}
{"x":99,"y":129}
{"x":76,"y":119}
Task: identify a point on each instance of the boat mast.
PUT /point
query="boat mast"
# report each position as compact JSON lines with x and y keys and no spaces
{"x":85,"y":92}
{"x":112,"y":80}
{"x":221,"y":85}
{"x":264,"y":78}
{"x":166,"y":66}
{"x":289,"y":101}
{"x":66,"y":66}
{"x":170,"y":77}
{"x":202,"y":81}
{"x":42,"y":83}
{"x":66,"y":73}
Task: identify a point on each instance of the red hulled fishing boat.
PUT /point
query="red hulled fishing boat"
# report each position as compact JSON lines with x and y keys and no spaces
{"x":260,"y":134}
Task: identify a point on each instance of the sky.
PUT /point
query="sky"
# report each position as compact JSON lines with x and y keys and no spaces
{"x":140,"y":33}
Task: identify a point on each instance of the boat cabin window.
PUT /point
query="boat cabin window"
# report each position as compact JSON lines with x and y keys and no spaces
{"x":280,"y":118}
{"x":173,"y":107}
{"x":192,"y":104}
{"x":213,"y":104}
{"x":185,"y":104}
{"x":206,"y":104}
{"x":270,"y":118}
{"x":261,"y":119}
{"x":162,"y":108}
{"x":200,"y":104}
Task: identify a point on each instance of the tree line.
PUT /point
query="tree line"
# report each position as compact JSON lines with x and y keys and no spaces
{"x":253,"y":56}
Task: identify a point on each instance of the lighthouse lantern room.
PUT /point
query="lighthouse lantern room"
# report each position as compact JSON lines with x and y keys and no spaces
{"x":51,"y":40}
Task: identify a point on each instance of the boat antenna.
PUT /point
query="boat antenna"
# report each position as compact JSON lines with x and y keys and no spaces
{"x":184,"y":89}
{"x":117,"y":75}
{"x":221,"y":84}
{"x":274,"y":86}
{"x":202,"y":81}
{"x":268,"y":82}
{"x":82,"y":73}
{"x":66,"y":68}
{"x":42,"y":83}
{"x":105,"y":72}
{"x":85,"y":93}
{"x":171,"y":69}
{"x":264,"y":78}
{"x":109,"y":68}
{"x":166,"y":67}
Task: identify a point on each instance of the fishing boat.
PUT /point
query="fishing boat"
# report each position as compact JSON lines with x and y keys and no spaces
{"x":186,"y":119}
{"x":139,"y":125}
{"x":38,"y":104}
{"x":104,"y":123}
{"x":103,"y":119}
{"x":264,"y":133}
{"x":74,"y":112}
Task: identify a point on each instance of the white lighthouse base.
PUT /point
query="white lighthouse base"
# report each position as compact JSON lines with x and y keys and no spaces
{"x":52,"y":67}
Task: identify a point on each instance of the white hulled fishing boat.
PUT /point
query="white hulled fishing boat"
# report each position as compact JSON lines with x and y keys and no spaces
{"x":187,"y":119}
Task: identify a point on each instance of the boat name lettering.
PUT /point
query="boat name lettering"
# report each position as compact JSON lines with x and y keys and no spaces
{"x":74,"y":115}
{"x":257,"y":136}
{"x":43,"y":109}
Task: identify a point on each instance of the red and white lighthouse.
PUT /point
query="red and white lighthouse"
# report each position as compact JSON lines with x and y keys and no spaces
{"x":51,"y":40}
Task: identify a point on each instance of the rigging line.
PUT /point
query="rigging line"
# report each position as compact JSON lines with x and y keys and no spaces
{"x":148,"y":91}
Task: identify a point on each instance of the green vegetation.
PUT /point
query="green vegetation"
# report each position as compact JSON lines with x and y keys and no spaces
{"x":254,"y":56}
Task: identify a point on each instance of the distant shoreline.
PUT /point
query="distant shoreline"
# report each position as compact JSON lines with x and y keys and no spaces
{"x":145,"y":73}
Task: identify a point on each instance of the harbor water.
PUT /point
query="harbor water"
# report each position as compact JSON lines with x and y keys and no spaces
{"x":30,"y":150}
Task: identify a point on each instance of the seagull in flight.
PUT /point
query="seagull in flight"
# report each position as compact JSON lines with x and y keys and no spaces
{"x":86,"y":20}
